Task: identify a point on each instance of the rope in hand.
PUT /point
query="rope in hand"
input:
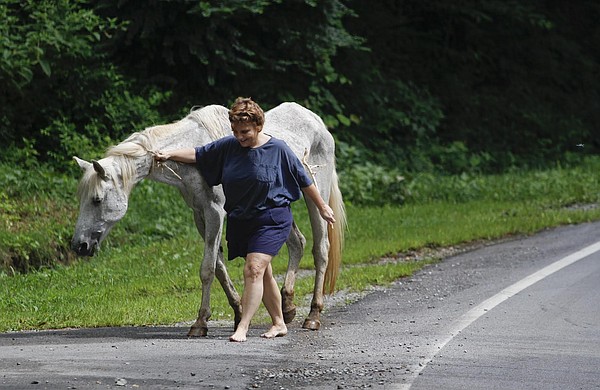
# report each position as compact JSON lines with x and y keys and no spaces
{"x":162,"y":164}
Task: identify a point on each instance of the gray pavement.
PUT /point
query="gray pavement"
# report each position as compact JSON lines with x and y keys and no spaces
{"x":545,"y":337}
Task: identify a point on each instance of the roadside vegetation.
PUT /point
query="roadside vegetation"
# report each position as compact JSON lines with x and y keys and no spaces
{"x":147,"y":271}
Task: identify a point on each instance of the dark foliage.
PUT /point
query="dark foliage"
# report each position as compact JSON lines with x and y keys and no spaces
{"x":469,"y":85}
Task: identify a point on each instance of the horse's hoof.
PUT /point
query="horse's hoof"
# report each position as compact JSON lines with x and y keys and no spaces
{"x":289,"y":315}
{"x":198,"y":331}
{"x":311,"y":324}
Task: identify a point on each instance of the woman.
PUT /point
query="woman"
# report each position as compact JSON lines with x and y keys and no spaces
{"x":261,"y":176}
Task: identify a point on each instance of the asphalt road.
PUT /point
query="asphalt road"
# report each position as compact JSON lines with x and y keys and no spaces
{"x":517,"y":314}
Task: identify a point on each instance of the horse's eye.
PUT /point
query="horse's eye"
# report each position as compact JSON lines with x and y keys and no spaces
{"x":96,"y":200}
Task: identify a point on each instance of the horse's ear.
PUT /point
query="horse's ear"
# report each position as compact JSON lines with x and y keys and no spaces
{"x":99,"y":170}
{"x":82,"y":163}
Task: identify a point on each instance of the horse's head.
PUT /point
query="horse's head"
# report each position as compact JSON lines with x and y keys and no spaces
{"x":102,"y":203}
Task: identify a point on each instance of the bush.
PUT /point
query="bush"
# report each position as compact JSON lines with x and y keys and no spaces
{"x":363,"y":182}
{"x":370,"y":184}
{"x":559,"y":185}
{"x":36,"y":215}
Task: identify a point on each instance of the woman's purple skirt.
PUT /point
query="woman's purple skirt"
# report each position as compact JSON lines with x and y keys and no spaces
{"x":266,"y":233}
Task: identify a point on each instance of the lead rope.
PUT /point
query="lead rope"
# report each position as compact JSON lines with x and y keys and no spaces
{"x":311,"y":168}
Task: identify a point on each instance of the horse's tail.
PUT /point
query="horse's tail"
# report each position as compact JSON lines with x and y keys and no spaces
{"x":335,"y":234}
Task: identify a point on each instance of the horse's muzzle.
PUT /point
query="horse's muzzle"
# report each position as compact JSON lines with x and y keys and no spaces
{"x":84,"y":248}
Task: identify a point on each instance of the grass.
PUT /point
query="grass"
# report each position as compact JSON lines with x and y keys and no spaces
{"x":147,"y":272}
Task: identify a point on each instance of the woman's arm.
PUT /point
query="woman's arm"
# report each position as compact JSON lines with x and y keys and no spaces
{"x":313,"y":194}
{"x":186,"y":155}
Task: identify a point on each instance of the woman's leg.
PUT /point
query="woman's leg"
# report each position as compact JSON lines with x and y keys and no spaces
{"x":254,"y":271}
{"x":272,"y":301}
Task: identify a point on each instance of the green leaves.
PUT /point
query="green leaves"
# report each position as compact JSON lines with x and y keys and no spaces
{"x":46,"y":33}
{"x":51,"y":66}
{"x":229,"y":7}
{"x":409,"y":81}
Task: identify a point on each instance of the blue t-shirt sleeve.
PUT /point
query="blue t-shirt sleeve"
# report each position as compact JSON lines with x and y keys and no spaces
{"x":210,"y":159}
{"x":296,"y":168}
{"x":294,"y":177}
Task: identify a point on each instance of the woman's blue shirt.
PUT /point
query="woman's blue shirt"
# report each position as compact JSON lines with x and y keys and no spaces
{"x":253,"y":179}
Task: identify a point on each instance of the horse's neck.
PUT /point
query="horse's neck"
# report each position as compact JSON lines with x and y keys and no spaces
{"x":135,"y":170}
{"x":186,"y":135}
{"x":143,"y":166}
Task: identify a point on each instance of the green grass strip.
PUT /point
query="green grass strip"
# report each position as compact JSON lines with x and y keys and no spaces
{"x":158,"y":283}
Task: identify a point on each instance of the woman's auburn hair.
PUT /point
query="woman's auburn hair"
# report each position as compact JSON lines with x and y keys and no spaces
{"x":246,"y":110}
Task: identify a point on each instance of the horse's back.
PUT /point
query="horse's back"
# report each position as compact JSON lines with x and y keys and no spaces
{"x":301,"y":129}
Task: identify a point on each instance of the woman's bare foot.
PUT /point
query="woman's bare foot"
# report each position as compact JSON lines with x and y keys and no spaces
{"x":275,"y":331}
{"x":239,"y":335}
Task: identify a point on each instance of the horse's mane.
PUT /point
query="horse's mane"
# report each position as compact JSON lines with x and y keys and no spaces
{"x":214,"y":119}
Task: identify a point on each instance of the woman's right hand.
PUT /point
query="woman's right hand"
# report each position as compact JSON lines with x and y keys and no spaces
{"x":161,"y":156}
{"x":185,"y":155}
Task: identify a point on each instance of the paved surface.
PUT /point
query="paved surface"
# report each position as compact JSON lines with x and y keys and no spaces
{"x":545,"y":337}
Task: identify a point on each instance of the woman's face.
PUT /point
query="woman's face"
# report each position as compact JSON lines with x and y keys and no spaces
{"x":246,"y":133}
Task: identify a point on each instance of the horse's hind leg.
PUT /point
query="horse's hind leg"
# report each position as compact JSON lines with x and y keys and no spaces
{"x":232,"y":295}
{"x":295,"y":243}
{"x":320,"y":253}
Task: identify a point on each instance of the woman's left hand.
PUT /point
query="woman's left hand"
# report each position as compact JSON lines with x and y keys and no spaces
{"x":324,"y":209}
{"x":327,"y":214}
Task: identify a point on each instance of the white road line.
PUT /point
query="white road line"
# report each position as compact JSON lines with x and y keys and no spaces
{"x":487,"y":305}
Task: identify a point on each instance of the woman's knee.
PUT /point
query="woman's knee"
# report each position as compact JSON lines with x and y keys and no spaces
{"x":256,"y":266}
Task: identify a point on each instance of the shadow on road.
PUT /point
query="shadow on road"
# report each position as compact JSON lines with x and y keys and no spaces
{"x":128,"y":333}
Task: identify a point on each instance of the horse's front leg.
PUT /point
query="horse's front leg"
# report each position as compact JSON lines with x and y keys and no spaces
{"x":207,"y":274}
{"x":295,"y":243}
{"x":211,"y":232}
{"x":320,"y":253}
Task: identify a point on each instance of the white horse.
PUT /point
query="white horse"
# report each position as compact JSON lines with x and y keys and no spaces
{"x":106,"y":184}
